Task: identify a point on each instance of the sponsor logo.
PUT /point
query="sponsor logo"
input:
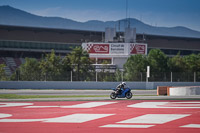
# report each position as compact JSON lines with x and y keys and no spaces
{"x":98,"y":48}
{"x":138,"y":49}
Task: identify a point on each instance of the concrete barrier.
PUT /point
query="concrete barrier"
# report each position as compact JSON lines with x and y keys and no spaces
{"x":87,"y":85}
{"x":184,"y":91}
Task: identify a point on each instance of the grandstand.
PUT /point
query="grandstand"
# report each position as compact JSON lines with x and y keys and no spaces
{"x":17,"y":42}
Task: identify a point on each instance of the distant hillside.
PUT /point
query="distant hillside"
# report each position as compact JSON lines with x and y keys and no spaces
{"x":13,"y":16}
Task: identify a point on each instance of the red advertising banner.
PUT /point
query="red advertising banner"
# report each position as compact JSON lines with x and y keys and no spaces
{"x":138,"y":49}
{"x":98,"y":48}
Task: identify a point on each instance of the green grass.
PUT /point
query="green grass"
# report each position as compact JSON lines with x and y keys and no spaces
{"x":15,"y":96}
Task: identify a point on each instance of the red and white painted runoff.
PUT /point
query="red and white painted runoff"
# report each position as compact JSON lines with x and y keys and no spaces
{"x":100,"y":116}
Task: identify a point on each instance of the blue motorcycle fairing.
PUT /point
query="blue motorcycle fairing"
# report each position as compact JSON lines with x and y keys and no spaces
{"x":123,"y":92}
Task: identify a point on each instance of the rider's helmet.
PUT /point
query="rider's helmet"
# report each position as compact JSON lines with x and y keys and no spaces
{"x":124,"y":83}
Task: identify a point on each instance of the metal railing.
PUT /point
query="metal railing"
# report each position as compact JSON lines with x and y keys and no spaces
{"x":111,"y":77}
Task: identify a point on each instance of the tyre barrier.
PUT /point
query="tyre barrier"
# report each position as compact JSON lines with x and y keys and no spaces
{"x":163,"y":90}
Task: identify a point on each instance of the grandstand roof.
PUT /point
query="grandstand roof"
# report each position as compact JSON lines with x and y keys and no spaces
{"x":40,"y":34}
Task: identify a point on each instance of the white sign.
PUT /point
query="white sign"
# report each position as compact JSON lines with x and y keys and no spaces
{"x":117,"y":48}
{"x":148,"y":71}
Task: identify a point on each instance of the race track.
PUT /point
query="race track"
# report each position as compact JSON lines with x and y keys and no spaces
{"x":153,"y":116}
{"x":71,"y":92}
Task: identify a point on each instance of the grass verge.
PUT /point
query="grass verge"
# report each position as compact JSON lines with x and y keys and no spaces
{"x":15,"y":96}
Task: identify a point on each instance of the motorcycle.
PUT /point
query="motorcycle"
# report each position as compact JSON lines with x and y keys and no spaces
{"x":124,"y":93}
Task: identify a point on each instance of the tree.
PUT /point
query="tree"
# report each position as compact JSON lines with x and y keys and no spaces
{"x":158,"y":65}
{"x":2,"y":72}
{"x":157,"y":61}
{"x":176,"y":63}
{"x":50,"y":66}
{"x":29,"y":70}
{"x":135,"y":65}
{"x":192,"y":65}
{"x":118,"y":75}
{"x":192,"y":62}
{"x":81,"y":63}
{"x":177,"y":66}
{"x":66,"y":68}
{"x":105,"y":74}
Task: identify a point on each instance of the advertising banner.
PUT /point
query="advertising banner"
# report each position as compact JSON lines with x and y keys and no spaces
{"x":137,"y":48}
{"x":115,"y":48}
{"x":97,"y":48}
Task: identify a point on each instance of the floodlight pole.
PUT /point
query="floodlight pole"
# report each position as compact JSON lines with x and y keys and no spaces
{"x":171,"y":77}
{"x":122,"y":75}
{"x":71,"y":76}
{"x":96,"y":76}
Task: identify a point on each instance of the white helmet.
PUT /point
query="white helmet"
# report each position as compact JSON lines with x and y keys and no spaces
{"x":124,"y":83}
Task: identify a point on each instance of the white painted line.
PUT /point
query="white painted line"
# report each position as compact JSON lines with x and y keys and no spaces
{"x":4,"y":115}
{"x":14,"y":104}
{"x":160,"y":105}
{"x":186,"y":102}
{"x":127,"y":126}
{"x":77,"y":118}
{"x":155,"y":118}
{"x":147,"y":104}
{"x":21,"y":120}
{"x":82,"y":105}
{"x":74,"y":118}
{"x":184,"y":105}
{"x":88,"y":105}
{"x":192,"y":126}
{"x":42,"y":106}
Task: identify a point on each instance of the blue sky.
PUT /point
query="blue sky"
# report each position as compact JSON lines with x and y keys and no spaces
{"x":162,"y":13}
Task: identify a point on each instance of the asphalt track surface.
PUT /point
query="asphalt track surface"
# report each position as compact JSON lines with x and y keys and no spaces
{"x":137,"y":95}
{"x":130,"y":116}
{"x":72,"y":92}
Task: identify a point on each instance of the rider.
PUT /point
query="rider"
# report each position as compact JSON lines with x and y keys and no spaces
{"x":120,"y":87}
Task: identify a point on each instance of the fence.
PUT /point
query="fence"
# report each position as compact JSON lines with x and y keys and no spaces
{"x":111,"y":77}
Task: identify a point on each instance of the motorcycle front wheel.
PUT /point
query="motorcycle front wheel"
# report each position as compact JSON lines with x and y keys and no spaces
{"x":113,"y":95}
{"x":129,"y":95}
